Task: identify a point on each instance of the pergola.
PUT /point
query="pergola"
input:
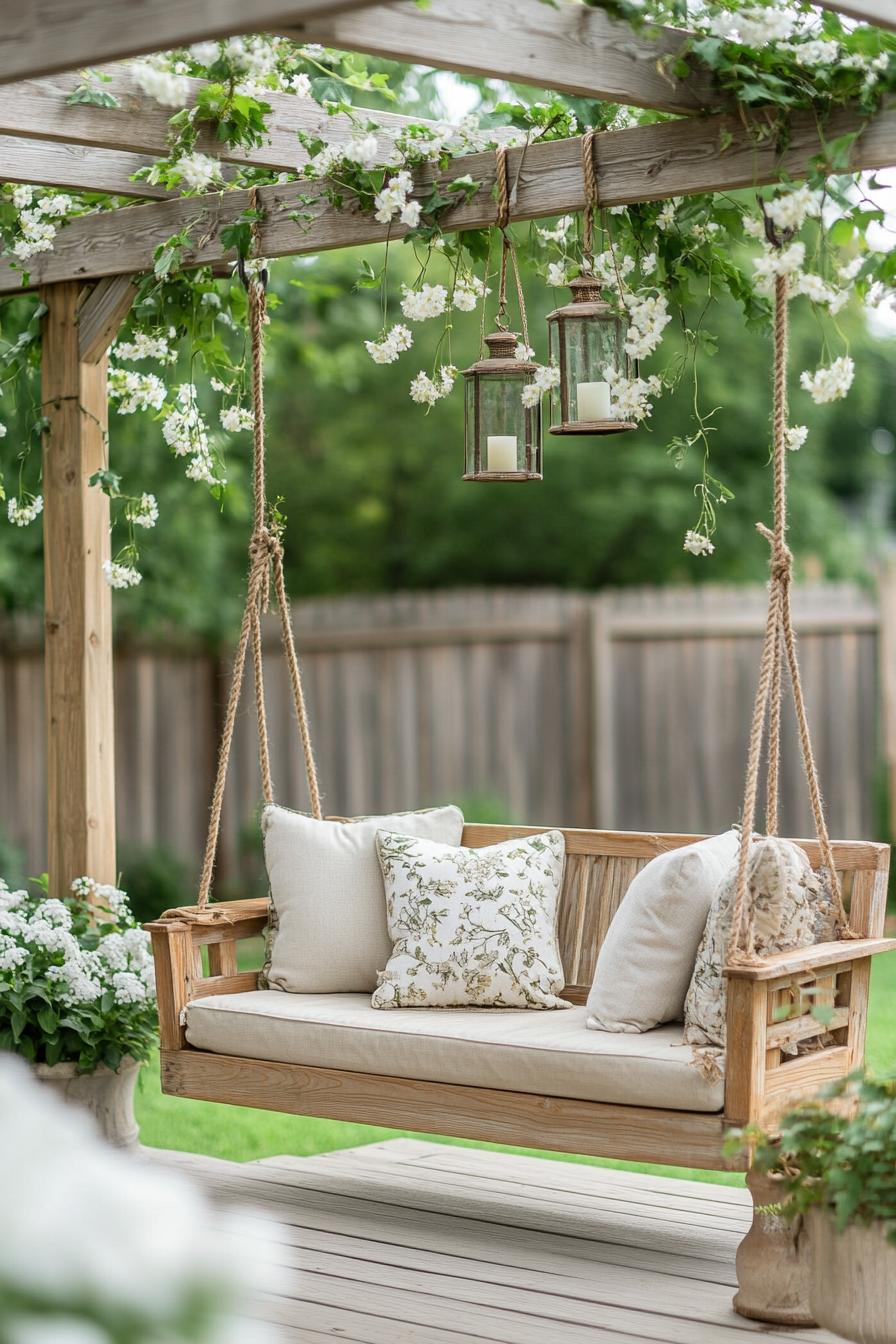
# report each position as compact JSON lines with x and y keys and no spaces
{"x":86,"y":281}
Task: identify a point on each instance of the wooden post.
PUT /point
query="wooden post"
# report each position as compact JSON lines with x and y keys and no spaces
{"x":78,"y":605}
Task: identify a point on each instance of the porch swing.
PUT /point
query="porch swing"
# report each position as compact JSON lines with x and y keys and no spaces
{"x":361,"y":1066}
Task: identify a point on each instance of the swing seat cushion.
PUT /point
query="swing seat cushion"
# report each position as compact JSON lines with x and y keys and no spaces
{"x":548,"y":1054}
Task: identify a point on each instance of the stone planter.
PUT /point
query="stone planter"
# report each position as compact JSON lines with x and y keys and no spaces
{"x":772,"y":1260}
{"x":852,"y":1279}
{"x":108,"y":1095}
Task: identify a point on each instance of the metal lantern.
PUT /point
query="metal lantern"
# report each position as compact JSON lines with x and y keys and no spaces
{"x":586,"y":337}
{"x":502,"y":437}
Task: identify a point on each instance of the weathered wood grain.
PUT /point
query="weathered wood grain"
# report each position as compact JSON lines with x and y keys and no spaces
{"x":515,"y":1118}
{"x":38,"y":109}
{"x":569,"y":48}
{"x":640,"y":163}
{"x":78,"y":606}
{"x":101,"y":314}
{"x":41,"y":36}
{"x":807,"y":959}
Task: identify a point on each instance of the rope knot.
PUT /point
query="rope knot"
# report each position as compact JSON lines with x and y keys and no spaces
{"x":781,"y":563}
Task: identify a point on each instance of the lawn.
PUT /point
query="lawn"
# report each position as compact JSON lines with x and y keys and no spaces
{"x":241,"y":1135}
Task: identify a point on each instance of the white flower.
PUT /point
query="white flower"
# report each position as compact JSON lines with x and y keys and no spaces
{"x":557,"y":274}
{"x":795,"y":437}
{"x":420,"y":304}
{"x":754,"y":25}
{"x":558,"y":233}
{"x":648,"y":263}
{"x":206,"y":53}
{"x":610,"y":268}
{"x":666,"y":217}
{"x":850,"y":270}
{"x":831,"y":383}
{"x":161,"y":84}
{"x":754,"y":226}
{"x":300,"y":85}
{"x":523,"y":352}
{"x":128,"y":988}
{"x":363,"y":150}
{"x":145,"y":346}
{"x":410,"y":214}
{"x":22,"y":513}
{"x":544,"y":377}
{"x":789,"y":212}
{"x":426,"y":392}
{"x":648,"y":317}
{"x":22,"y":197}
{"x":391,"y":346}
{"x":236,"y":418}
{"x":467,"y":293}
{"x":143,"y":512}
{"x":775,"y":262}
{"x":313,"y":50}
{"x":197,"y":171}
{"x":630,"y":397}
{"x":698,"y":544}
{"x":118,"y":575}
{"x":135,"y":391}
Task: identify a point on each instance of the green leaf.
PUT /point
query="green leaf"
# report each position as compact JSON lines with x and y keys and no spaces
{"x":48,"y":1021}
{"x":86,"y":93}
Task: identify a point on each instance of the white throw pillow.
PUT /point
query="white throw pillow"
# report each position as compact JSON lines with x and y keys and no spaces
{"x":472,"y":927}
{"x":328,"y":931}
{"x":647,"y":959}
{"x":791,"y":908}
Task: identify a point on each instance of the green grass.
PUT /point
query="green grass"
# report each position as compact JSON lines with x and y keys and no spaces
{"x":241,"y":1135}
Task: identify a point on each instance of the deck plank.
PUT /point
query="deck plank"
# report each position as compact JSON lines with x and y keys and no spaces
{"x":411,"y":1242}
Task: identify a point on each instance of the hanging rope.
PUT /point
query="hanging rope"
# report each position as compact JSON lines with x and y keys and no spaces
{"x":265,"y":562}
{"x":508,"y":251}
{"x":592,"y":200}
{"x":779,"y":645}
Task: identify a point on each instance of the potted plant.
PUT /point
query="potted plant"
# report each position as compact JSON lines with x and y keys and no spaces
{"x":77,"y":996}
{"x":836,"y":1169}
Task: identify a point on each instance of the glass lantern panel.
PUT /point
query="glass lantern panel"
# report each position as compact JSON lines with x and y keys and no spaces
{"x":591,"y":346}
{"x":497,"y":427}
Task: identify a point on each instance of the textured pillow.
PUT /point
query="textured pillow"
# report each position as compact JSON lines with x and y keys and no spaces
{"x":472,"y":927}
{"x":647,"y":959}
{"x":328,"y":931}
{"x":791,"y":908}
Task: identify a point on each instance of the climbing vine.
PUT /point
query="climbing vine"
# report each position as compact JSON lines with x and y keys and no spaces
{"x":663,"y":264}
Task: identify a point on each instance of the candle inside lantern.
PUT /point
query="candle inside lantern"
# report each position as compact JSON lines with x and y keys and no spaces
{"x":592,"y":401}
{"x":501,"y":452}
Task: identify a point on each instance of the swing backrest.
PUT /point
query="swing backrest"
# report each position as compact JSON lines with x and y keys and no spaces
{"x":600,"y":866}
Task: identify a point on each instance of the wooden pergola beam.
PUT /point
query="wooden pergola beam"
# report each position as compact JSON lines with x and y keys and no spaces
{"x":567,"y":47}
{"x":37,"y":109}
{"x":43,"y":163}
{"x":39,"y":37}
{"x":675,"y":158}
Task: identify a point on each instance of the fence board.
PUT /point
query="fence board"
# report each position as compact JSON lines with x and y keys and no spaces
{"x":626,"y":709}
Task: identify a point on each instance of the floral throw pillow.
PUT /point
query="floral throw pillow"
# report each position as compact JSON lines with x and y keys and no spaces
{"x":792,"y":907}
{"x":472,"y":927}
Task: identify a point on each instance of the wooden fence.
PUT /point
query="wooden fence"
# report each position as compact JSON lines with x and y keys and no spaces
{"x":625,"y":709}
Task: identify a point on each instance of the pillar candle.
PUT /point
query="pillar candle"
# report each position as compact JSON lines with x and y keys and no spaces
{"x":592,"y":401}
{"x":501,"y":452}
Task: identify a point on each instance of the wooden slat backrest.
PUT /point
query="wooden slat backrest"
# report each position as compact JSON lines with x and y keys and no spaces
{"x":600,"y":866}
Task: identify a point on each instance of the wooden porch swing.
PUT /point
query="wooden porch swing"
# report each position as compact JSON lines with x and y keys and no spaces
{"x":760,"y":1083}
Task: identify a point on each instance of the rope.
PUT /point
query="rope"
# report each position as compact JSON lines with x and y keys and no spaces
{"x":592,"y":200}
{"x":265,"y":558}
{"x":779,"y":644}
{"x":508,"y":250}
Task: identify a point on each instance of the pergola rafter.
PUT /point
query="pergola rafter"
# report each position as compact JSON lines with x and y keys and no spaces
{"x":673,"y":158}
{"x":87,"y":279}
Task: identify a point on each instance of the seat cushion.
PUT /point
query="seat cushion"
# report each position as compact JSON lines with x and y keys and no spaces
{"x":551,"y":1054}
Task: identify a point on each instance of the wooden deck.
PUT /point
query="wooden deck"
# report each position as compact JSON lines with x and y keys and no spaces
{"x":408,"y":1242}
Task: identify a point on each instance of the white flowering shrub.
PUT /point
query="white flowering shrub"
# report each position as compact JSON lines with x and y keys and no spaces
{"x":76,"y":978}
{"x":101,"y":1248}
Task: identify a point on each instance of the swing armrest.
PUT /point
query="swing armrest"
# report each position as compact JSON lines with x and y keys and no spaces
{"x":803,"y":959}
{"x":795,"y":1023}
{"x":178,"y":938}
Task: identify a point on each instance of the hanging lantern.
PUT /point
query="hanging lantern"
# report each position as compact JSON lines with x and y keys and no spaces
{"x":585,"y":338}
{"x":502,"y":437}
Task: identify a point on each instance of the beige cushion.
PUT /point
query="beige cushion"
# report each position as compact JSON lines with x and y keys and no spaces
{"x":472,"y":927}
{"x":647,"y":959}
{"x":550,"y":1054}
{"x":328,"y":909}
{"x":791,"y":908}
